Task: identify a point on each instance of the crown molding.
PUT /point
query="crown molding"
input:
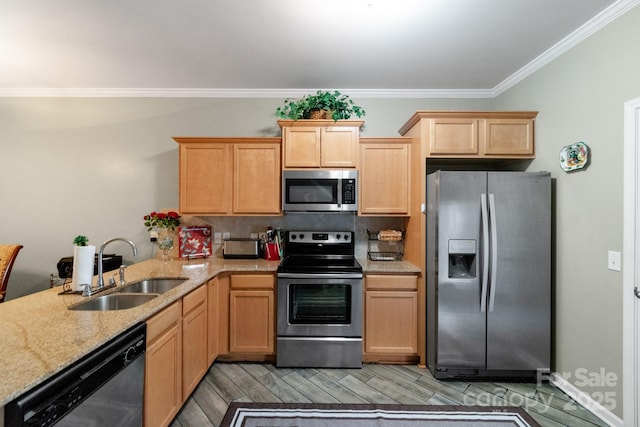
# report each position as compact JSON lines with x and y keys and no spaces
{"x":592,"y":26}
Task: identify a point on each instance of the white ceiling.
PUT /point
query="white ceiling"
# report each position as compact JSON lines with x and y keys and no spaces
{"x":286,"y":47}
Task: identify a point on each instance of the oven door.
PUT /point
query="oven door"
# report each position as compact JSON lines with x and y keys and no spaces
{"x":319,"y":305}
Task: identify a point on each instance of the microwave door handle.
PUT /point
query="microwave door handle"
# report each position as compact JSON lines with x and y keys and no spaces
{"x":339,"y":193}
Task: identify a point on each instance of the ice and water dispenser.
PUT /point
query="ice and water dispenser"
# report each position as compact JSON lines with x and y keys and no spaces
{"x":462,"y":259}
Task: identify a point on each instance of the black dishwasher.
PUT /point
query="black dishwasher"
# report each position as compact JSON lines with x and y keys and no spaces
{"x":104,"y":388}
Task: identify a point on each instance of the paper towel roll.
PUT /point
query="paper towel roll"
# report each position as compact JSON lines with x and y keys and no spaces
{"x":83,"y":261}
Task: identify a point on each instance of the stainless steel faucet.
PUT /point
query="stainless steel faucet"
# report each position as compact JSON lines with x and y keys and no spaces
{"x":101,"y":252}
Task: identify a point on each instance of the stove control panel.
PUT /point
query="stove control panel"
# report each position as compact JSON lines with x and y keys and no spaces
{"x":325,"y":237}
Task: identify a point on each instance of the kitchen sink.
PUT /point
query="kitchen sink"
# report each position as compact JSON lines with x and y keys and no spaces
{"x":115,"y":301}
{"x":156,"y":285}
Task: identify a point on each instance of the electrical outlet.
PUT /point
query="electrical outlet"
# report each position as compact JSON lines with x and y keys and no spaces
{"x":226,"y":235}
{"x":217,"y":237}
{"x":614,"y":261}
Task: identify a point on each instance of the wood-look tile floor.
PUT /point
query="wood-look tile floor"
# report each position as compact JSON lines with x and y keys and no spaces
{"x":396,"y":384}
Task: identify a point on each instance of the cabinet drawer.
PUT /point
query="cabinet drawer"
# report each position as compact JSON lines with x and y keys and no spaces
{"x":394,"y":282}
{"x":194,"y":299}
{"x":163,"y":321}
{"x":252,"y":281}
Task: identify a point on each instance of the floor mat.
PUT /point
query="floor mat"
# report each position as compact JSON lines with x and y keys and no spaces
{"x":358,"y":415}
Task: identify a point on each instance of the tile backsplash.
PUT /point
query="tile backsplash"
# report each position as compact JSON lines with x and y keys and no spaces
{"x":243,"y":226}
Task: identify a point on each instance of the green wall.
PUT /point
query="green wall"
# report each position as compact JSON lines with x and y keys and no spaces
{"x":580,"y":97}
{"x":96,"y":166}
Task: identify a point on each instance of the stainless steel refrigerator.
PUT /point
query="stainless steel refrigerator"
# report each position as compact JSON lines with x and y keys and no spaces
{"x":488,"y":274}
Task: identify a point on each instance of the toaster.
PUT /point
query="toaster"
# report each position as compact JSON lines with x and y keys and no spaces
{"x":241,"y":248}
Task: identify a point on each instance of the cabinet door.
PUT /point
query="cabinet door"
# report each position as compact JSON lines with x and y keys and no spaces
{"x":194,"y":340}
{"x":301,"y":147}
{"x":511,"y":137}
{"x":256,"y":178}
{"x":391,"y":325}
{"x":453,"y":136}
{"x":385,"y":170}
{"x":163,"y":367}
{"x":391,"y":314}
{"x":338,"y":147}
{"x":212,"y":320}
{"x":252,"y":320}
{"x":205,"y":178}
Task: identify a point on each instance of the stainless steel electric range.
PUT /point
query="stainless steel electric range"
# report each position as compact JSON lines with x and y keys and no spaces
{"x":319,"y":295}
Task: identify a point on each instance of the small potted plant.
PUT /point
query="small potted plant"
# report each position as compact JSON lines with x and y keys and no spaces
{"x":322,"y":105}
{"x":83,"y":262}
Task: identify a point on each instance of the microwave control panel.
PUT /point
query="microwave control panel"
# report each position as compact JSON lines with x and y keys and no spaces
{"x":348,"y":191}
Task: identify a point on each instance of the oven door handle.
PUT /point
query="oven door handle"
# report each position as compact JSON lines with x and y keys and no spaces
{"x":319,"y":276}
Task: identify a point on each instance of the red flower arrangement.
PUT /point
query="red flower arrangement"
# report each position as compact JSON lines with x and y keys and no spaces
{"x":168,"y":220}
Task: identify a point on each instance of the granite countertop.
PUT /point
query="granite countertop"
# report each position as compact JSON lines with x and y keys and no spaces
{"x":388,"y":267}
{"x":40,"y":336}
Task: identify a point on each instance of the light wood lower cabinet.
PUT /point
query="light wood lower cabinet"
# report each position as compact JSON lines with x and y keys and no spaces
{"x":252,"y":313}
{"x":391,"y":317}
{"x":163,"y":367}
{"x":177,"y":356}
{"x":213,"y":321}
{"x":195,"y":356}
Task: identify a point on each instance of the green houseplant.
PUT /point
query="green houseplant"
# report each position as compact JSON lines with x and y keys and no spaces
{"x":81,"y":240}
{"x":336,"y":106}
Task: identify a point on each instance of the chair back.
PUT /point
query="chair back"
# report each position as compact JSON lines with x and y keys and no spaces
{"x":8,"y":255}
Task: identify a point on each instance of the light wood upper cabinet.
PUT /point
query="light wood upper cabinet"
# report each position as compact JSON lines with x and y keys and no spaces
{"x":474,"y":134}
{"x":508,"y":136}
{"x":205,"y":178}
{"x":385,"y":171}
{"x":320,"y":143}
{"x":256,"y":178}
{"x":302,"y":147}
{"x":452,"y":136}
{"x":229,"y":176}
{"x":339,"y":147}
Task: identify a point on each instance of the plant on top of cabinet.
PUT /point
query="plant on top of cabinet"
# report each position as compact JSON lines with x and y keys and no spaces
{"x":323,"y":105}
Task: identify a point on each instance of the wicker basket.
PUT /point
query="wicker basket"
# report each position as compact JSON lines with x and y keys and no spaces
{"x":319,"y":114}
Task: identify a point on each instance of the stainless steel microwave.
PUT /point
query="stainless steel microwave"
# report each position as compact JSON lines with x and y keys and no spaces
{"x":320,"y":190}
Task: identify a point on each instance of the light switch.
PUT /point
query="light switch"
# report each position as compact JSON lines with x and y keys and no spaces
{"x":614,"y":261}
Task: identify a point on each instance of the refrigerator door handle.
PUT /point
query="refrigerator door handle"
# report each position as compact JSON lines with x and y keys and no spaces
{"x":494,"y":251}
{"x":485,"y":251}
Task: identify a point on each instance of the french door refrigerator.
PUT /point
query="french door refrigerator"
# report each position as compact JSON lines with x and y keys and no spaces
{"x":488,"y":274}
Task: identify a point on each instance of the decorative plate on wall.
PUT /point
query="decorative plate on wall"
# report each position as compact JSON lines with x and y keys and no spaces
{"x":574,"y":156}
